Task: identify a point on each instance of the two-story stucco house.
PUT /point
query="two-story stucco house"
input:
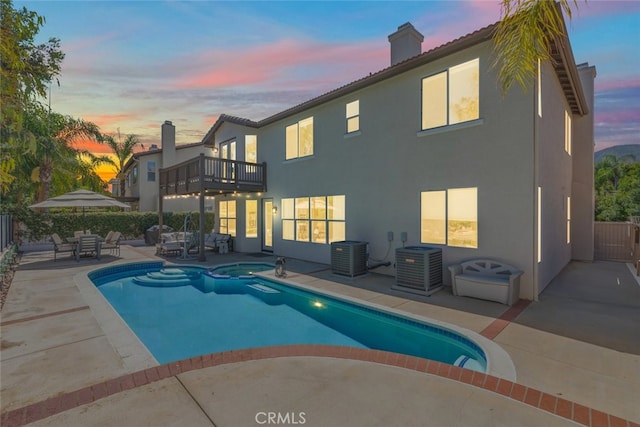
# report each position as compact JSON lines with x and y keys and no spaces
{"x":141,"y":174}
{"x":428,"y":151}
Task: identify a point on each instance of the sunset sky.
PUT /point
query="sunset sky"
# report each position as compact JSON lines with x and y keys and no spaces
{"x":134,"y":64}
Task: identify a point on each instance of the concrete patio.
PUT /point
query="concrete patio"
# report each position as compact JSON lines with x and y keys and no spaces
{"x":68,"y":359}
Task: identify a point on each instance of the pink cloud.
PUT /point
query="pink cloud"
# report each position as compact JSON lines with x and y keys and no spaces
{"x":269,"y":63}
{"x":108,"y":120}
{"x":612,"y":84}
{"x":618,"y":117}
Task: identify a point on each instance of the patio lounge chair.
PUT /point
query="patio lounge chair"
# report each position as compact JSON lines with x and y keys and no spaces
{"x":90,"y":244}
{"x":112,"y":242}
{"x":60,"y":246}
{"x":217,"y":241}
{"x":174,"y":243}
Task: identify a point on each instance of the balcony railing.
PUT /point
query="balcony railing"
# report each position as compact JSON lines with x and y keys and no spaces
{"x":213,"y":175}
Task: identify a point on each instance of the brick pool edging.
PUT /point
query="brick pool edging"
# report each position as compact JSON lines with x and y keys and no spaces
{"x":527,"y":395}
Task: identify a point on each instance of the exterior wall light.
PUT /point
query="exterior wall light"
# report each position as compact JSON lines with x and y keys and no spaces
{"x":275,"y":210}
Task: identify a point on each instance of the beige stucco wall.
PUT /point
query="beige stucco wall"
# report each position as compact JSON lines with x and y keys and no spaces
{"x":147,"y":191}
{"x":383,"y":170}
{"x":554,"y":174}
{"x":582,"y":213}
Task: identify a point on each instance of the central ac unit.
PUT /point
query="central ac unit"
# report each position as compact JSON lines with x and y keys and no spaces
{"x":349,"y":258}
{"x":418,"y":269}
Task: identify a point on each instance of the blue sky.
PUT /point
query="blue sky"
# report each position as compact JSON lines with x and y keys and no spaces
{"x":134,"y":64}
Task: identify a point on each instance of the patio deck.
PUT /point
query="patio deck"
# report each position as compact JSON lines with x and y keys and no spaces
{"x":65,"y":360}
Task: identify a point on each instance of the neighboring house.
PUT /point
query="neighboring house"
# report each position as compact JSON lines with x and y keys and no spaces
{"x":428,"y":148}
{"x":142,"y":178}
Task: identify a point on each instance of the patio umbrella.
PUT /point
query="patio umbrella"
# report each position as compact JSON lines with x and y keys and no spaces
{"x":81,"y":199}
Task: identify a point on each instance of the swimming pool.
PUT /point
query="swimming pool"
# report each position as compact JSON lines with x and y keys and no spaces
{"x":218,"y":312}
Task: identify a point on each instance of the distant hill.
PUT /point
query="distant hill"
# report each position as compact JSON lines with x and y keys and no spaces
{"x":619,"y":151}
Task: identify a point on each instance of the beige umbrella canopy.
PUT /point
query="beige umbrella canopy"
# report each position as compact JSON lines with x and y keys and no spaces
{"x":81,"y":199}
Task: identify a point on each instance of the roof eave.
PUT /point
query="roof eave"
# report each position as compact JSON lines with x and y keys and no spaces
{"x":568,"y":75}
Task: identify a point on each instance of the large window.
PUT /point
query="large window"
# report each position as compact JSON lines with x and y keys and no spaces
{"x":299,"y":139}
{"x":451,"y":96}
{"x":318,"y":219}
{"x":251,"y":218}
{"x":450,"y":217}
{"x":227,"y":216}
{"x":353,"y":116}
{"x":251,"y":148}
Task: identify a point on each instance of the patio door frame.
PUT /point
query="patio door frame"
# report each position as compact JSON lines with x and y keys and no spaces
{"x":267,"y":225}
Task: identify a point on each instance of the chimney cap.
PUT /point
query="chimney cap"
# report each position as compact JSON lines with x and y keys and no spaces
{"x":168,"y":122}
{"x":407,"y":28}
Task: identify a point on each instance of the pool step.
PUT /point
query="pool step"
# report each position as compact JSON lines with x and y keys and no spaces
{"x":265,"y":293}
{"x":167,"y":277}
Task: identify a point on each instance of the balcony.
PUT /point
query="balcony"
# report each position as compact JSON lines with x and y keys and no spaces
{"x":212,"y":176}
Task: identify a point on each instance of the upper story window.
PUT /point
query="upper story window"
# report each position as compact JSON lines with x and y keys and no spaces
{"x":299,"y":139}
{"x":151,"y":171}
{"x":251,"y":148}
{"x":353,"y":116}
{"x":228,"y":150}
{"x":567,"y":132}
{"x":539,"y":89}
{"x":134,"y":175}
{"x":452,"y":96}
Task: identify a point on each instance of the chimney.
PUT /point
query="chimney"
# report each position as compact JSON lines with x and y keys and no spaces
{"x":168,"y":140}
{"x":405,"y":43}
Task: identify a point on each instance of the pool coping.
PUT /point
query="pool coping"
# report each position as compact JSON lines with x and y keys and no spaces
{"x":499,"y":362}
{"x":508,"y":389}
{"x":136,"y":356}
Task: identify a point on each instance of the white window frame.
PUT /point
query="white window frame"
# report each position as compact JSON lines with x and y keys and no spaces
{"x":251,"y":219}
{"x":352,"y":115}
{"x":447,"y":206}
{"x":251,"y":155}
{"x":314,"y":219}
{"x":294,"y":142}
{"x":445,"y":97}
{"x":228,"y":223}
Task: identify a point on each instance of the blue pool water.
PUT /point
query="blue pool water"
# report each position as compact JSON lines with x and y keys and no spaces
{"x":228,"y":309}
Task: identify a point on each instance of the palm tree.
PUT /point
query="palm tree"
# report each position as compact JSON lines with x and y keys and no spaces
{"x":54,"y":152}
{"x":524,"y":35}
{"x":123,"y":150}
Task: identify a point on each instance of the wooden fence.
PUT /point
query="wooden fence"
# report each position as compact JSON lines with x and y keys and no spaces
{"x":617,"y":241}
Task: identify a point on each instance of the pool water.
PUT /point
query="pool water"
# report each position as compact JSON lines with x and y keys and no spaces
{"x":219,"y":312}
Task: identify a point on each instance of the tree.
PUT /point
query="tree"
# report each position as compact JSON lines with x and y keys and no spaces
{"x":123,"y":150}
{"x":27,"y":69}
{"x":54,"y":154}
{"x":524,"y":35}
{"x":617,"y":188}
